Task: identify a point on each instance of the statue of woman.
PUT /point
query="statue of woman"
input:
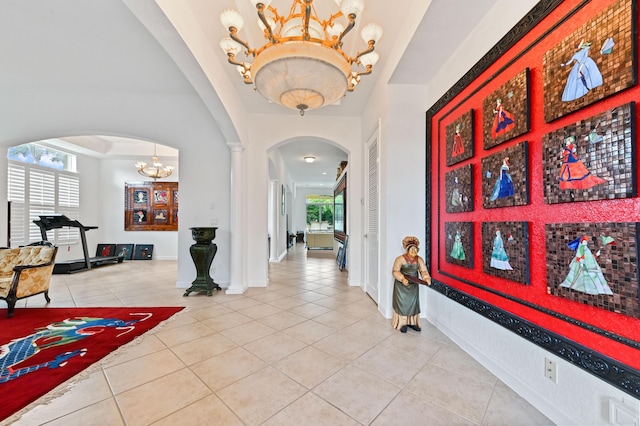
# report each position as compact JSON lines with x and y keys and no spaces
{"x":406,"y":301}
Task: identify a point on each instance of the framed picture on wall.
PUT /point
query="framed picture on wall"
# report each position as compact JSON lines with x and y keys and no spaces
{"x":592,"y":159}
{"x":459,"y":136}
{"x":595,"y":264}
{"x":505,"y":112}
{"x":505,"y":177}
{"x":505,"y":250}
{"x":593,"y":62}
{"x":459,"y":245}
{"x":459,"y":189}
{"x":151,"y":206}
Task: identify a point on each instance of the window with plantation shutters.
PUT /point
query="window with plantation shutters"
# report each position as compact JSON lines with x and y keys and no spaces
{"x":35,"y":191}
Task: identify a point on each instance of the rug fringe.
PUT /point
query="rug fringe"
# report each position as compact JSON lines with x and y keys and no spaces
{"x":65,"y":387}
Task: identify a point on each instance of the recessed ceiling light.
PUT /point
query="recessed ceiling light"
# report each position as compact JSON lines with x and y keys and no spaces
{"x":309,"y":159}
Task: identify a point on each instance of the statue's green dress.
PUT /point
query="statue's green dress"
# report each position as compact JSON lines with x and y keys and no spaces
{"x":406,"y":302}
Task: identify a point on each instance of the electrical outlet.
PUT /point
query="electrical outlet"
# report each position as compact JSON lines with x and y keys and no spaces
{"x":551,"y":370}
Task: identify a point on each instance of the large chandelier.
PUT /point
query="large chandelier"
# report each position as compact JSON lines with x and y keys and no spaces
{"x":156,"y":170}
{"x":302,"y":65}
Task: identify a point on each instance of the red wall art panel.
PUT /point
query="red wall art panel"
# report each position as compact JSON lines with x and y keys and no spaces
{"x":552,"y":249}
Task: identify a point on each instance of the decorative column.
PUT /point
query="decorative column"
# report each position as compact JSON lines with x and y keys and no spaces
{"x":237,"y":282}
{"x":273,"y":242}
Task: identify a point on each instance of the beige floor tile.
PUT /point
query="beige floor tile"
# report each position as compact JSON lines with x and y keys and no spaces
{"x":408,"y":409}
{"x":274,"y":347}
{"x":309,"y":366}
{"x":144,"y":345}
{"x":282,"y":320}
{"x":309,"y":310}
{"x":357,"y":393}
{"x":310,"y":410}
{"x":138,"y":371}
{"x":260,"y":311}
{"x":226,"y":321}
{"x":461,"y":395}
{"x":248,"y":332}
{"x":344,"y":346}
{"x":388,"y":364}
{"x":507,"y":408}
{"x":309,"y":331}
{"x":199,"y":350}
{"x":103,"y":413}
{"x":211,"y":311}
{"x":185,"y":333}
{"x":227,"y":368}
{"x":452,"y":358}
{"x":75,"y":395}
{"x":157,"y":399}
{"x":261,"y":395}
{"x":207,"y":411}
{"x":337,"y":320}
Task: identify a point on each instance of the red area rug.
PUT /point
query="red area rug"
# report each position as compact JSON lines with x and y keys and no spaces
{"x":44,"y":347}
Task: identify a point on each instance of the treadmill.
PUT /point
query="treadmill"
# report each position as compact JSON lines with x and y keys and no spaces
{"x":56,"y":221}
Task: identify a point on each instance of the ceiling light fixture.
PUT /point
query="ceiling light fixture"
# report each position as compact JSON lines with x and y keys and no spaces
{"x":156,"y":170}
{"x":309,"y":159}
{"x":302,"y":65}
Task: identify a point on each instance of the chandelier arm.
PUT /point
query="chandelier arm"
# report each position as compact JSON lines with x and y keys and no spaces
{"x":370,"y":49}
{"x":245,"y":67}
{"x":352,"y":22}
{"x":305,"y":19}
{"x":263,"y":18}
{"x":233,"y":33}
{"x":356,"y":77}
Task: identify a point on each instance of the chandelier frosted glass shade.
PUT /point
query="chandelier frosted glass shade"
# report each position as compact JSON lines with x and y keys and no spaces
{"x":301,"y":65}
{"x":301,"y":76}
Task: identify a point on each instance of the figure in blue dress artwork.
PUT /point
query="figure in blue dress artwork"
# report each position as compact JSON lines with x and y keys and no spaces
{"x":499,"y":258}
{"x":504,"y":185}
{"x":457,"y":252}
{"x":584,"y":76}
{"x":585,"y":274}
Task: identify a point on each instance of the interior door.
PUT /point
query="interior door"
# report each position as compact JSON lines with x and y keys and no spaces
{"x":371,"y":242}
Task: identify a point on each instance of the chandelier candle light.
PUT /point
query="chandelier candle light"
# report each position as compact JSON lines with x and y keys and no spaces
{"x":302,"y":65}
{"x":156,"y":169}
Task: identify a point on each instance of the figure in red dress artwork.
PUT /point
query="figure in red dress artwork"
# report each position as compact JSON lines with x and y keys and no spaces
{"x":458,"y":146}
{"x":503,"y":122}
{"x":573,"y":173}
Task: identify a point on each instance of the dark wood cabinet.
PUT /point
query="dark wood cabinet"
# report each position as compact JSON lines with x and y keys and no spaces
{"x":151,"y":206}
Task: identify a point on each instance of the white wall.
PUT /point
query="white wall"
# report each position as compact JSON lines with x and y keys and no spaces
{"x":114,"y":173}
{"x":267,"y":132}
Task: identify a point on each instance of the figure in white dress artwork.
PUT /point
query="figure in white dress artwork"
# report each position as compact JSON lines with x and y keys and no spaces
{"x":499,"y":258}
{"x":584,"y":76}
{"x":585,"y":274}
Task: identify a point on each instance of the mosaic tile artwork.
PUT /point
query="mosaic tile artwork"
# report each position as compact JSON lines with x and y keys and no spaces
{"x":459,"y":189}
{"x":505,"y":250}
{"x":593,"y":159}
{"x":595,"y":61}
{"x":595,"y":264}
{"x":459,"y":136}
{"x":505,"y":177}
{"x":505,"y":112}
{"x":459,"y":243}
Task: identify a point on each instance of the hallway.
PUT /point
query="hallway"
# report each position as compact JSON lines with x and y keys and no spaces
{"x":307,"y":350}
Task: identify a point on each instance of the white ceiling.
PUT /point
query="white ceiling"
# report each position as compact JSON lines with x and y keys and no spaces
{"x":85,"y":31}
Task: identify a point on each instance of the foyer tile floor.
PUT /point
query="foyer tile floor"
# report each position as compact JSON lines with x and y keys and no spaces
{"x":307,"y":350}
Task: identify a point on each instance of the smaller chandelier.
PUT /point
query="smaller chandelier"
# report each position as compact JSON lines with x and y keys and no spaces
{"x":156,"y":170}
{"x":301,"y":65}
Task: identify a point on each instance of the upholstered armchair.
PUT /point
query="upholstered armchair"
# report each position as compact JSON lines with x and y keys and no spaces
{"x":26,"y":271}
